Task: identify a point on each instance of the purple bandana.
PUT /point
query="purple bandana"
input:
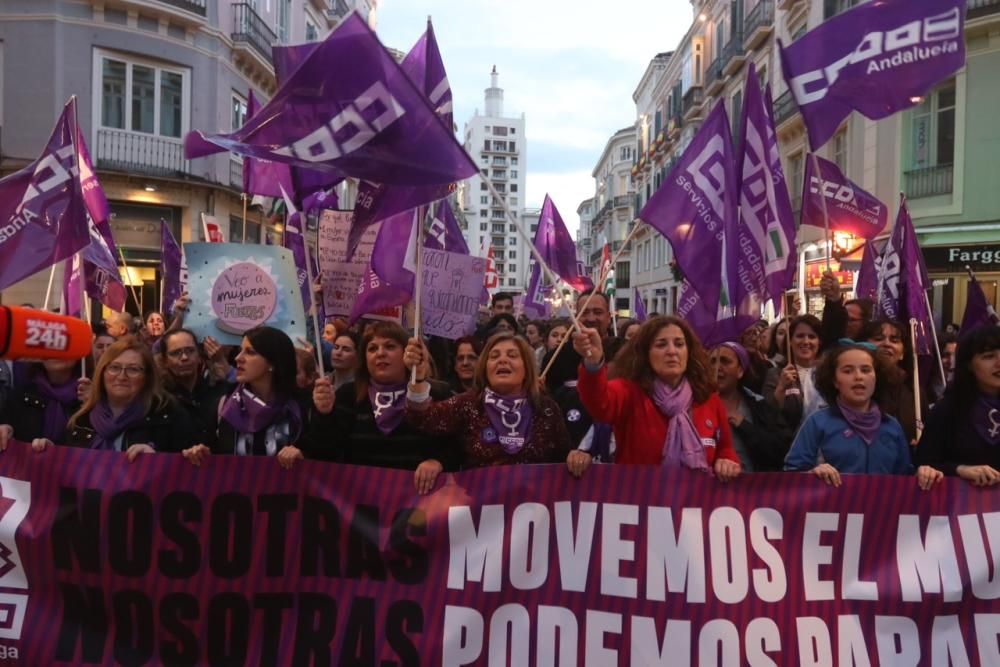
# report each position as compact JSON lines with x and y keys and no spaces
{"x":247,"y":413}
{"x":741,"y":353}
{"x":109,"y":427}
{"x":986,"y":417}
{"x":58,"y":398}
{"x":682,"y":445}
{"x":865,"y":424}
{"x":510,"y":417}
{"x":388,"y":405}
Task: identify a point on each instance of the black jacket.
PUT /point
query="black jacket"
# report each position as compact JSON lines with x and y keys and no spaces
{"x":349,"y":435}
{"x":202,"y":407}
{"x":766,"y":436}
{"x":25,"y":412}
{"x":950,"y":439}
{"x":168,"y":429}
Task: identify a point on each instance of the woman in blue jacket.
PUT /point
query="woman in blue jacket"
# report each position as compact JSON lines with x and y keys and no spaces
{"x":851,"y":435}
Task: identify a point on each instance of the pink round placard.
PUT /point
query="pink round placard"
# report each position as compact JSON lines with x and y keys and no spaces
{"x":244,"y":296}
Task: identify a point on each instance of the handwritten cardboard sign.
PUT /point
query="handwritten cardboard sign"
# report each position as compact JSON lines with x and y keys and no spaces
{"x":452,"y":287}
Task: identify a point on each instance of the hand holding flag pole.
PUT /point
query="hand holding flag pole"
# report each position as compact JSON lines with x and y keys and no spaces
{"x":637,"y":223}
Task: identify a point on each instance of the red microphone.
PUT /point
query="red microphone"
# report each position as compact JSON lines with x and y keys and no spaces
{"x":26,"y":333}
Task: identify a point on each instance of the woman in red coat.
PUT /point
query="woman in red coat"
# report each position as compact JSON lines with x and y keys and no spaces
{"x":662,"y":406}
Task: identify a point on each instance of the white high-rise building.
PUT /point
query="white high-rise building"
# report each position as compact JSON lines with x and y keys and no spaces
{"x":497,"y":143}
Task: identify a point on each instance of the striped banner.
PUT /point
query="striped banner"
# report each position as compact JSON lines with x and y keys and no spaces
{"x":239,"y":562}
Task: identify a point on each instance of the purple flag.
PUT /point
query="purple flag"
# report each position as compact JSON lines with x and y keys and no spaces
{"x":903,"y":280}
{"x":877,"y":58}
{"x":102,"y":279}
{"x":367,"y":121}
{"x":850,"y":208}
{"x":393,"y":255}
{"x":264,"y":177}
{"x":536,"y":306}
{"x":697,"y":203}
{"x":585,"y":281}
{"x":287,"y":59}
{"x":171,"y":264}
{"x":639,"y":308}
{"x":867,"y":285}
{"x":764,"y":254}
{"x":376,"y":200}
{"x":72,"y":294}
{"x":293,"y":240}
{"x":978,"y":311}
{"x":444,"y":232}
{"x":375,"y":295}
{"x":43,"y":206}
{"x":320,"y":199}
{"x":712,"y":325}
{"x":555,"y":245}
{"x":93,"y":193}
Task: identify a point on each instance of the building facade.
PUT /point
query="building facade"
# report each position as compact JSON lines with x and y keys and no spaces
{"x":145,"y":72}
{"x":937,"y":154}
{"x":498,"y":145}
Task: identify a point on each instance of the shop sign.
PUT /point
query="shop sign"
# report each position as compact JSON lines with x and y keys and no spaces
{"x":954,"y":258}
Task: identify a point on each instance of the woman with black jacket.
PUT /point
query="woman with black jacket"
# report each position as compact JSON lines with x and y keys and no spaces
{"x":44,"y":395}
{"x":363,"y":422}
{"x":126,"y":409}
{"x":962,"y":437}
{"x":760,"y":436}
{"x":265,"y":415}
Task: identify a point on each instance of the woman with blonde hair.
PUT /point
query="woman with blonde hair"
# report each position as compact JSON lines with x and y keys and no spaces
{"x":503,"y":420}
{"x":126,"y":409}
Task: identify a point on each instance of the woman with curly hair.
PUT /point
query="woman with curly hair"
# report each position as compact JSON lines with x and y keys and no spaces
{"x":662,"y":404}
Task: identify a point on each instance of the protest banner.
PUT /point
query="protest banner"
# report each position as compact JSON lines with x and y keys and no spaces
{"x":453,"y":285}
{"x":340,"y":276}
{"x":241,"y":562}
{"x":235,"y":287}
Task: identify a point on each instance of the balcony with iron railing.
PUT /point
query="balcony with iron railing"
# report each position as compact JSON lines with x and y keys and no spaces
{"x":980,"y":8}
{"x":784,"y":108}
{"x":759,"y":24}
{"x":249,"y":29}
{"x":930,"y":181}
{"x":137,"y":153}
{"x":194,"y":6}
{"x":691,"y":104}
{"x":236,"y":173}
{"x":714,"y":78}
{"x":734,"y":55}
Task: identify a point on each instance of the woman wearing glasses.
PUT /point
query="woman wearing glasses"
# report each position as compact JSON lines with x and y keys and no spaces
{"x":126,"y":409}
{"x":187,"y":379}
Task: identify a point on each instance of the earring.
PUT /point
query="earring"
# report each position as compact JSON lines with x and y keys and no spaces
{"x":270,"y":369}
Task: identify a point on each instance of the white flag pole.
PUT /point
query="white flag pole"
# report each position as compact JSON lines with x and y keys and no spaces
{"x":48,"y":290}
{"x":417,"y":280}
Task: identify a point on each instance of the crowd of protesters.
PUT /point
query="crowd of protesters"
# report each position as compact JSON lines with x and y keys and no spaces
{"x":830,"y":396}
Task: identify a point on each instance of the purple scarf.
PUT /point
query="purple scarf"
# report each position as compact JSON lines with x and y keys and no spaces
{"x":58,"y":399}
{"x":682,"y":445}
{"x":108,"y":427}
{"x":510,"y":417}
{"x":247,"y":413}
{"x":388,"y":405}
{"x":986,"y":418}
{"x":865,"y":424}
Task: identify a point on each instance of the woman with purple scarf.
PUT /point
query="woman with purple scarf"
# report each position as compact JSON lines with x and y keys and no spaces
{"x":126,"y":409}
{"x":262,"y":415}
{"x":963,"y":430}
{"x":43,"y":398}
{"x":504,"y":420}
{"x":363,"y":422}
{"x":851,"y":434}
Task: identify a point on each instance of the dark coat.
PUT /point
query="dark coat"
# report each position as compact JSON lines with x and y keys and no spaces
{"x":168,"y":429}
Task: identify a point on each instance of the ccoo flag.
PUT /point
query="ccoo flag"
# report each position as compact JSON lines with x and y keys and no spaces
{"x":293,"y":239}
{"x":978,"y":311}
{"x":640,"y":308}
{"x":43,"y":207}
{"x":264,"y":177}
{"x":903,"y":280}
{"x":867,"y":285}
{"x":764,"y":254}
{"x":877,"y":58}
{"x":172,"y":267}
{"x":850,"y":209}
{"x":713,"y":324}
{"x":444,"y":232}
{"x":367,"y":121}
{"x":376,"y":200}
{"x":697,"y":203}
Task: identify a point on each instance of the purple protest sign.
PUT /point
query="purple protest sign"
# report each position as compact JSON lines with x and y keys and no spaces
{"x":697,"y":203}
{"x":368,"y":120}
{"x":850,"y":209}
{"x":877,"y":58}
{"x":452,"y":285}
